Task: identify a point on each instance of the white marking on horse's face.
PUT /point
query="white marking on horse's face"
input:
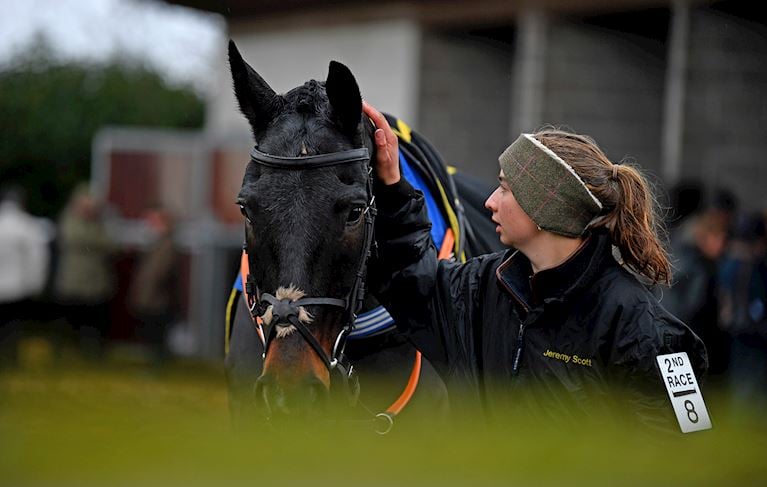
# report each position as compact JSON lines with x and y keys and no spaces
{"x":285,"y":331}
{"x":292,"y":293}
{"x":304,"y":150}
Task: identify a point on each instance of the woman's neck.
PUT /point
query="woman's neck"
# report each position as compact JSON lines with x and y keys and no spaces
{"x":548,"y":250}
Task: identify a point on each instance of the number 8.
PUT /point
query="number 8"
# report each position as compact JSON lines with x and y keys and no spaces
{"x":690,"y":408}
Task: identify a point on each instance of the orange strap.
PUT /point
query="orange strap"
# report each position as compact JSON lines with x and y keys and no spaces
{"x":410,"y":388}
{"x":446,"y":249}
{"x":447,"y":245}
{"x":244,"y":271}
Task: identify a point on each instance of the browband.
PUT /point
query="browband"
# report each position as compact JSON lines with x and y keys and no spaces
{"x":310,"y":162}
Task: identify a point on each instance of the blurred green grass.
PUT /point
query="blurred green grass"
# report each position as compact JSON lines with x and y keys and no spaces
{"x":124,"y":424}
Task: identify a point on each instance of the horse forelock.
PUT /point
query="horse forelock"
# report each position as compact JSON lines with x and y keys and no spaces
{"x":307,"y":125}
{"x":309,"y":98}
{"x":294,"y":134}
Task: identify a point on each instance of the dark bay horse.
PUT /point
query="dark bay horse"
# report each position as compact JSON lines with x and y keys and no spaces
{"x":309,"y":208}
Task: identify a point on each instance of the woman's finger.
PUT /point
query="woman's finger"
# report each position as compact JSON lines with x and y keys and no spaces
{"x":387,"y":158}
{"x":377,"y":117}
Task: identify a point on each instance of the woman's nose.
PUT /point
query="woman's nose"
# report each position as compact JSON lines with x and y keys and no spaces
{"x":489,"y":202}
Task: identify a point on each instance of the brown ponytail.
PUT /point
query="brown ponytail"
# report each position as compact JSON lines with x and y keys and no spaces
{"x":629,"y":212}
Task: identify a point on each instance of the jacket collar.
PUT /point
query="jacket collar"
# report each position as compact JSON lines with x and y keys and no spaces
{"x":515,"y":273}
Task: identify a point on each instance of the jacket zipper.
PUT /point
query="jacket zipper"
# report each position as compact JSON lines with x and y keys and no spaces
{"x":518,"y":352}
{"x":520,"y":344}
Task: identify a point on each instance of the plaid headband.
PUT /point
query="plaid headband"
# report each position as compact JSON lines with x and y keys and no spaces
{"x":547,"y":188}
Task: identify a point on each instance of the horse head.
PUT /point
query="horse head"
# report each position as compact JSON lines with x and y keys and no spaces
{"x":306,"y":199}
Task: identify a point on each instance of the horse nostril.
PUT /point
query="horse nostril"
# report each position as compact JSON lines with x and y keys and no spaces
{"x":306,"y":398}
{"x":261,"y":391}
{"x":317,"y":394}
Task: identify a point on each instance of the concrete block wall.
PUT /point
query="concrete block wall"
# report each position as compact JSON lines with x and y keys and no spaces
{"x":607,"y":76}
{"x":464,"y":102}
{"x":606,"y":84}
{"x":725,"y":127}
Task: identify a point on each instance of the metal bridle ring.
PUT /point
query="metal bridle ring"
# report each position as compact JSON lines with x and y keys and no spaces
{"x":387,"y":423}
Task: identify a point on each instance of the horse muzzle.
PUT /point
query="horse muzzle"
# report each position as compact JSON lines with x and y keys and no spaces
{"x":304,"y":399}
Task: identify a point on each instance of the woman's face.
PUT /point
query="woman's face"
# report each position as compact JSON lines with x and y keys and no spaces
{"x":516,"y":229}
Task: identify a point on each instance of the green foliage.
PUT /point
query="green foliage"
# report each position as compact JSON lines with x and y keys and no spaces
{"x":50,"y":111}
{"x":117,"y":425}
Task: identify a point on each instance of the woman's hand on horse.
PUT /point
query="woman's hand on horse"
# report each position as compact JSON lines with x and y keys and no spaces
{"x":387,"y":153}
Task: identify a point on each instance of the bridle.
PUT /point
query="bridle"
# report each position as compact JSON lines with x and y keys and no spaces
{"x":287,"y":310}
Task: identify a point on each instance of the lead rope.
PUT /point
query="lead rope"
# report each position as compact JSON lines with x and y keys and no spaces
{"x":386,"y":418}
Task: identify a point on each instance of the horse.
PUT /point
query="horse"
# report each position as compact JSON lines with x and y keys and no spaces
{"x":296,"y":343}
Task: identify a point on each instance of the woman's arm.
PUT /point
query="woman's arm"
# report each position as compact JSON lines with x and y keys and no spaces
{"x":431,"y":301}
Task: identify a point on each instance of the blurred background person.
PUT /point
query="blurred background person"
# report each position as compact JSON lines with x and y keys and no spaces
{"x":24,"y":263}
{"x":743,"y":298}
{"x":693,"y":297}
{"x":153,"y":295}
{"x":84,"y":282}
{"x":686,"y":198}
{"x":725,"y":203}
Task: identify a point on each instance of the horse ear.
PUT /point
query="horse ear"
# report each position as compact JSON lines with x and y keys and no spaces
{"x":258,"y":101}
{"x":344,"y":97}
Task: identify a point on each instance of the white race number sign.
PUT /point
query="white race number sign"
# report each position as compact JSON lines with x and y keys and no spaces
{"x":684,"y":392}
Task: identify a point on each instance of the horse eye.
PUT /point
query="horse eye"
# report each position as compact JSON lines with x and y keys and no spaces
{"x":244,"y":213}
{"x":354,"y":215}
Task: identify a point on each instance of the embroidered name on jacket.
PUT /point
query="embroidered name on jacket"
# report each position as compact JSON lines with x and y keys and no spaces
{"x":567,"y":358}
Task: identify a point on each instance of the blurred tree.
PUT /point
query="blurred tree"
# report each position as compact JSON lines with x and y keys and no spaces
{"x":51,"y":109}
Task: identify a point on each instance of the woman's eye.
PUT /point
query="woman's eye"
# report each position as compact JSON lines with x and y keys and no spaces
{"x":354,"y":215}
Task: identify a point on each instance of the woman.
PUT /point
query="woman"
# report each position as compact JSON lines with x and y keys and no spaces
{"x":556,"y":320}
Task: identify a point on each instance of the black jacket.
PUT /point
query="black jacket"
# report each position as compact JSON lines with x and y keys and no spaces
{"x":551,"y":346}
